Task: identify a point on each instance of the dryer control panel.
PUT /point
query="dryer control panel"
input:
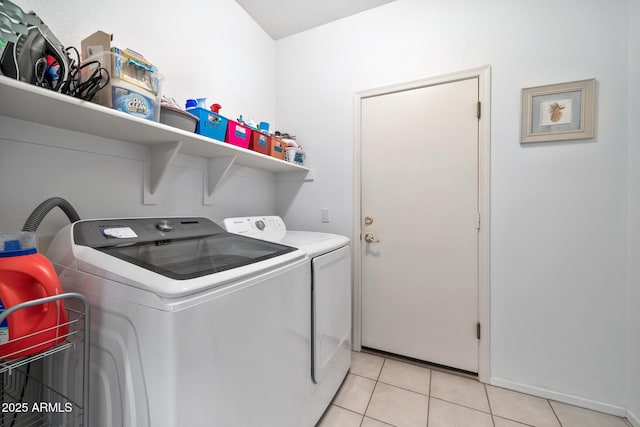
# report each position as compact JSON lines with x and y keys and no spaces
{"x":270,"y":228}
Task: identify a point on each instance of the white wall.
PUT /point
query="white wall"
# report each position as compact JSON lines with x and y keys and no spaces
{"x":633,"y":299}
{"x":558,"y":257}
{"x":211,"y":49}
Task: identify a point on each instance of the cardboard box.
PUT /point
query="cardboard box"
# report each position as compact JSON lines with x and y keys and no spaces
{"x":96,"y":44}
{"x":134,"y":85}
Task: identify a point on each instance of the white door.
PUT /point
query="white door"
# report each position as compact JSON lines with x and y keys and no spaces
{"x":419,"y":186}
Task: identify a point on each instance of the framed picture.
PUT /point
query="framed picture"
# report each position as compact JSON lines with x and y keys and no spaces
{"x":558,"y":112}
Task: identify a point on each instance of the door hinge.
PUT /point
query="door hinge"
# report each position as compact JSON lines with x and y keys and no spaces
{"x":478,"y":330}
{"x":478,"y":221}
{"x":479,"y":109}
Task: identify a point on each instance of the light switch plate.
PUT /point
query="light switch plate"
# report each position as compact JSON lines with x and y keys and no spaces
{"x":324,"y":215}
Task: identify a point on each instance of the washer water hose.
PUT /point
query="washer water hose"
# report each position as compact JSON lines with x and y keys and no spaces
{"x":38,"y":214}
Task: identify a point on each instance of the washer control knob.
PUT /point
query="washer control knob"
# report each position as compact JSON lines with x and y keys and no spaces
{"x":164,"y":226}
{"x":260,"y":224}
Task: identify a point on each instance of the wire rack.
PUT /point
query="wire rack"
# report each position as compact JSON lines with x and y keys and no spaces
{"x":26,"y":399}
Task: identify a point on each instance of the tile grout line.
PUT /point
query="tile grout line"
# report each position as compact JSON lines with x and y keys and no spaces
{"x":362,"y":376}
{"x":341,"y":407}
{"x":460,"y":405}
{"x":486,"y":394}
{"x":501,"y":416}
{"x":554,"y":412}
{"x":405,"y":389}
{"x":384,"y":360}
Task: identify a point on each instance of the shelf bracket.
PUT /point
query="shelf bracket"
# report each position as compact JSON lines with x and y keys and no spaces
{"x":299,"y":175}
{"x":160,"y":158}
{"x":217,"y":168}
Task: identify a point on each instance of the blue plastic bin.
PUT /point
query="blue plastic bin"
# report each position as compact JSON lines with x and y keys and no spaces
{"x":211,"y":124}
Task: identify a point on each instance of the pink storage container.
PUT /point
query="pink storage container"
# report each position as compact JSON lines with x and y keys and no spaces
{"x":238,"y":134}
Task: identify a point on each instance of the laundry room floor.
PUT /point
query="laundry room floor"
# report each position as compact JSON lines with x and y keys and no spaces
{"x":383,"y":392}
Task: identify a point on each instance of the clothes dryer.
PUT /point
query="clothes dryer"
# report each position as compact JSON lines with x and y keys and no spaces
{"x":191,"y":325}
{"x":330,"y":290}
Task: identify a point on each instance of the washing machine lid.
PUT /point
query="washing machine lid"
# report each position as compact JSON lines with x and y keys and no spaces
{"x":178,"y":248}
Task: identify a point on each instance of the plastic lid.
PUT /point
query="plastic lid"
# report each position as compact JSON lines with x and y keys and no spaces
{"x":191,"y":103}
{"x":16,"y":244}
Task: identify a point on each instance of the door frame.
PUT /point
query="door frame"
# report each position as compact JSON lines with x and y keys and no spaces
{"x":483,"y":74}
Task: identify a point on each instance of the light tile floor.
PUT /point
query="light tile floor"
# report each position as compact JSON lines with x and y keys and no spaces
{"x":383,"y":392}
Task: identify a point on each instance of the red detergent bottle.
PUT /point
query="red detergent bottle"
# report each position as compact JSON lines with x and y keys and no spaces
{"x":26,"y":275}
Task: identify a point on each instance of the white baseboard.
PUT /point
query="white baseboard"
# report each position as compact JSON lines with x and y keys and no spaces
{"x":564,"y":398}
{"x":633,"y":419}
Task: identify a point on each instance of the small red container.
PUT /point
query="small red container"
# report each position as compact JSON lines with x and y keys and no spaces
{"x":25,"y":276}
{"x":260,"y":142}
{"x":238,"y":134}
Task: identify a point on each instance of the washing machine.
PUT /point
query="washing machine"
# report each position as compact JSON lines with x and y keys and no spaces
{"x":329,"y":284}
{"x":191,"y":325}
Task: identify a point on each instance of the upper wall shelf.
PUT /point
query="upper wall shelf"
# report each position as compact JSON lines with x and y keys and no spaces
{"x":31,"y":103}
{"x":34,"y":104}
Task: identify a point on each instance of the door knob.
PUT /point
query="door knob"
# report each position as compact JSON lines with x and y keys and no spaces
{"x":369,"y":238}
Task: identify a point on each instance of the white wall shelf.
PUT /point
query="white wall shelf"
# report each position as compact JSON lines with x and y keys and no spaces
{"x":27,"y":102}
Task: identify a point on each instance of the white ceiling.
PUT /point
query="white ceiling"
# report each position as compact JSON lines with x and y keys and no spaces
{"x":282,"y":18}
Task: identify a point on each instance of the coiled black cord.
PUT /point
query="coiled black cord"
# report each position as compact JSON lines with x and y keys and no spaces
{"x":82,"y":82}
{"x":84,"y":87}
